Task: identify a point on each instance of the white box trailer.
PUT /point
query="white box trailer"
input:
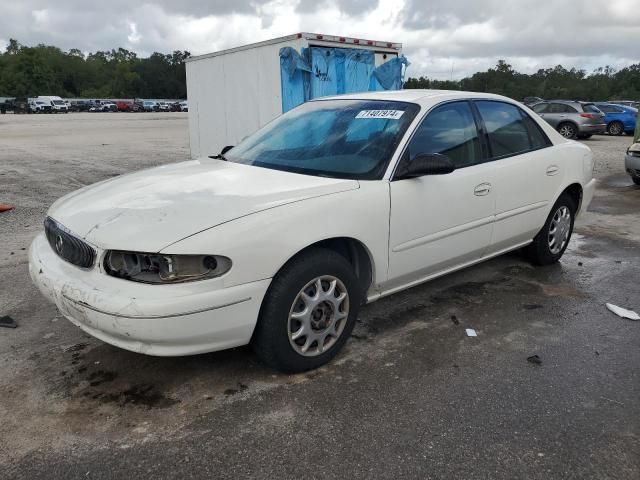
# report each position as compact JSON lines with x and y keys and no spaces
{"x":234,"y":92}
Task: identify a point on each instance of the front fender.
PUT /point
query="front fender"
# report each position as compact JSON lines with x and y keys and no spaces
{"x":261,"y":243}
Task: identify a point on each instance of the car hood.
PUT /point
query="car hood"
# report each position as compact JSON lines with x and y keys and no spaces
{"x":151,"y":209}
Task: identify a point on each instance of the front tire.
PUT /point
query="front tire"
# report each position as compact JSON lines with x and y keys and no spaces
{"x":308,"y":312}
{"x":552,"y":240}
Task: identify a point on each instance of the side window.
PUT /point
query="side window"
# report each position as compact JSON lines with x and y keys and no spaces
{"x":449,"y":129}
{"x":508,"y":134}
{"x":561,"y":108}
{"x":606,"y":108}
{"x":537,"y":136}
{"x":541,"y":108}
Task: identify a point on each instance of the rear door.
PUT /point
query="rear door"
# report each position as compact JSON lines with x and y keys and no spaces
{"x":527,"y":174}
{"x":556,"y":113}
{"x":440,"y":221}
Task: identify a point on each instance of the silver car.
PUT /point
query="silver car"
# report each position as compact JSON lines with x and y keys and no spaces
{"x":572,"y":119}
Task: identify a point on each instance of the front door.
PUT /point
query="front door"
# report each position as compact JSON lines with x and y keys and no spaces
{"x":441,"y":221}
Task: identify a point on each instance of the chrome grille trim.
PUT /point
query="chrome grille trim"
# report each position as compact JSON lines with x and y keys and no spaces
{"x":67,"y":246}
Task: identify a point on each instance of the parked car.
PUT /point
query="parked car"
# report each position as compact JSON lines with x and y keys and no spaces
{"x":572,"y":119}
{"x":109,"y":106}
{"x":40,"y":106}
{"x":619,"y":118}
{"x":279,"y":240}
{"x":150,"y":106}
{"x":184,"y":106}
{"x":632,"y":162}
{"x":528,"y":101}
{"x":632,"y":158}
{"x":163,"y":107}
{"x":19,"y":105}
{"x":80,"y":105}
{"x":124,"y":106}
{"x":627,"y":103}
{"x":6,"y":105}
{"x":58,"y":105}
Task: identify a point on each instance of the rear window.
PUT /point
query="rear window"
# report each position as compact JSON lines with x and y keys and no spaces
{"x":508,"y":134}
{"x":540,"y":107}
{"x":538,"y":138}
{"x":561,"y":108}
{"x":590,"y":108}
{"x":606,"y":108}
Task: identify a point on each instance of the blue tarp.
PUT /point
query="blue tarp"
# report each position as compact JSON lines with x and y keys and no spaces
{"x":340,"y":70}
{"x":389,"y":75}
{"x":318,"y":72}
{"x":294,"y":75}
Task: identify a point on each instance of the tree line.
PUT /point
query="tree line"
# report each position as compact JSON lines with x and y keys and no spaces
{"x":47,"y":70}
{"x":604,"y":83}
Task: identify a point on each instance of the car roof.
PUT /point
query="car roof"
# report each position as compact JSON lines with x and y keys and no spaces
{"x":422,"y":97}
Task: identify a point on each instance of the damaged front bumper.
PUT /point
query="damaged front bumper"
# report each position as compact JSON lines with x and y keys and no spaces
{"x":163,"y":320}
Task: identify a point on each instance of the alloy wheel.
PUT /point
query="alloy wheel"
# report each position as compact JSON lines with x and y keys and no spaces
{"x":318,"y":316}
{"x":559,"y":230}
{"x":567,"y":131}
{"x":615,"y":128}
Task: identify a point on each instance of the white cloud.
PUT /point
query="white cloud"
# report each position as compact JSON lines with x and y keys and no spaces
{"x":134,"y":37}
{"x":442,"y":38}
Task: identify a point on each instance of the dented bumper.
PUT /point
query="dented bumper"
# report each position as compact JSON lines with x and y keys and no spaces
{"x":163,"y":320}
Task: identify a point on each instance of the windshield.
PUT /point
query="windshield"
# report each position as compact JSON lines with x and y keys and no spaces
{"x":332,"y":138}
{"x":58,"y":102}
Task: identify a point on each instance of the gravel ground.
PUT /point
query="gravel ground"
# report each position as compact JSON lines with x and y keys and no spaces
{"x":411,"y":396}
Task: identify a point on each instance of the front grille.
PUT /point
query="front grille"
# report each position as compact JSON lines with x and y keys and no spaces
{"x":68,"y":246}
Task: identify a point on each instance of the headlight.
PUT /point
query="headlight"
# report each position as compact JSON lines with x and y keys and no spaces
{"x":164,"y":268}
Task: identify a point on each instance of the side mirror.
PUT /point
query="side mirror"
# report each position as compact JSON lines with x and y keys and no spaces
{"x":426,"y":164}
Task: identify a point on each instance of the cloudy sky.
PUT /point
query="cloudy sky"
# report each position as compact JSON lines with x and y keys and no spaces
{"x":442,"y":38}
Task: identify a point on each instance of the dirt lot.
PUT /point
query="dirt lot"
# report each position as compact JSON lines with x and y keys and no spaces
{"x":411,"y":396}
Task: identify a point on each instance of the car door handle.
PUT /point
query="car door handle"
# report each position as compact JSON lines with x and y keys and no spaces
{"x":552,"y":170}
{"x":482,"y":189}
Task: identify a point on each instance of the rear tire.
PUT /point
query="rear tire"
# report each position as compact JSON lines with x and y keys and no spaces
{"x":636,"y":180}
{"x":615,"y":128}
{"x":567,"y":130}
{"x":308,"y":312}
{"x":552,"y":240}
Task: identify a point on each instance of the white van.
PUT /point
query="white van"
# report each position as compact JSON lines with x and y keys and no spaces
{"x":57,"y":104}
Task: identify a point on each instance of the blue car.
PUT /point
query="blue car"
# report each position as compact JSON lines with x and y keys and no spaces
{"x":619,"y":118}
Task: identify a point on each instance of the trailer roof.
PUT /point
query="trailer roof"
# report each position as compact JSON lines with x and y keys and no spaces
{"x":315,"y":38}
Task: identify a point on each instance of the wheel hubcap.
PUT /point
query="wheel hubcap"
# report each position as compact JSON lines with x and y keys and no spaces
{"x":559,"y":230}
{"x":318,"y":316}
{"x":615,"y":129}
{"x":567,"y":131}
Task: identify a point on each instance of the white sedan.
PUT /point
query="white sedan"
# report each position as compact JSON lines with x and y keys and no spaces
{"x":280,"y":239}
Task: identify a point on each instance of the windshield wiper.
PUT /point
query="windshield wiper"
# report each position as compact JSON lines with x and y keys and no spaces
{"x":221,"y":156}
